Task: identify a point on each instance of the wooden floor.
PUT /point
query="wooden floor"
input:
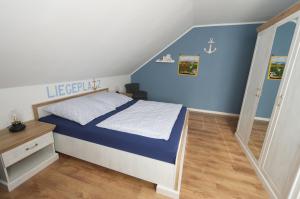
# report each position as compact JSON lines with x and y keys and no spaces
{"x":257,"y":137}
{"x":215,"y":167}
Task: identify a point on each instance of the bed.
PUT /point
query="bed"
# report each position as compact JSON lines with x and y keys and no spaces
{"x":154,"y":160}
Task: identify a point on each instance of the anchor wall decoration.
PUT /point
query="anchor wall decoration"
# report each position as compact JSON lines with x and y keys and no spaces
{"x":210,"y":50}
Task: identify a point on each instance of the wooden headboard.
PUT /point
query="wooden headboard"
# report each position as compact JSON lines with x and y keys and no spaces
{"x":35,"y":107}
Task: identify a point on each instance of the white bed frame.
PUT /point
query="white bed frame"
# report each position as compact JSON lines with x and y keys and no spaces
{"x":165,"y":175}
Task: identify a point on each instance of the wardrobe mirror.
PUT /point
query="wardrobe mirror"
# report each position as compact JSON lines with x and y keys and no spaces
{"x":267,"y":93}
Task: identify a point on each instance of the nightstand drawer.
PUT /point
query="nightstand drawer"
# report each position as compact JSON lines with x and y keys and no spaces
{"x":14,"y":155}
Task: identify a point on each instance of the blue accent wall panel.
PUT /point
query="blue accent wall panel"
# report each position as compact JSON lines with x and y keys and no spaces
{"x":222,"y":77}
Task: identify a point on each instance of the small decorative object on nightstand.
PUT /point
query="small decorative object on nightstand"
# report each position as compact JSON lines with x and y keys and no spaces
{"x":16,"y":125}
{"x":26,"y":153}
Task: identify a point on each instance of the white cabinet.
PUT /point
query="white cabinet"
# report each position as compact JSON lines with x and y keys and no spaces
{"x":18,"y":153}
{"x":24,"y":154}
{"x":272,"y":144}
{"x":282,"y":156}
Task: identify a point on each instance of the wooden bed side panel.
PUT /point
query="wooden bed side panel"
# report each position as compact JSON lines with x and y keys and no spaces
{"x":181,"y":152}
{"x":155,"y":171}
{"x":174,"y":192}
{"x":167,"y":176}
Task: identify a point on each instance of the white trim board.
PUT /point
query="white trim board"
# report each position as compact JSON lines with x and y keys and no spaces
{"x":225,"y":114}
{"x":213,"y":112}
{"x":262,"y":119}
{"x":229,"y":24}
{"x":188,"y":30}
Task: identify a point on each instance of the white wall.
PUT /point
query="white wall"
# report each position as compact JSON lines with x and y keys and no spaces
{"x":20,"y":99}
{"x":45,"y":41}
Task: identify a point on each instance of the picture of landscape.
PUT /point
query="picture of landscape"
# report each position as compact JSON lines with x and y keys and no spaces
{"x":188,"y":65}
{"x":276,"y":67}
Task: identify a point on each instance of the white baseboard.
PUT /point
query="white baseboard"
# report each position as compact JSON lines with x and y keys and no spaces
{"x":213,"y":112}
{"x":225,"y":114}
{"x":259,"y":173}
{"x":262,"y":119}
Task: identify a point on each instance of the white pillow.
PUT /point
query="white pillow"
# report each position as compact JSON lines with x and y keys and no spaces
{"x":113,"y":99}
{"x":81,"y":110}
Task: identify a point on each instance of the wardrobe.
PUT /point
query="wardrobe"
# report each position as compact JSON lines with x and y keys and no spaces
{"x":269,"y":123}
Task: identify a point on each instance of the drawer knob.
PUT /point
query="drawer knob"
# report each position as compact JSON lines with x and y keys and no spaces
{"x":29,"y":148}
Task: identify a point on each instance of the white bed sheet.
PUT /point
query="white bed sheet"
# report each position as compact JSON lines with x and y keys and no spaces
{"x":146,"y":118}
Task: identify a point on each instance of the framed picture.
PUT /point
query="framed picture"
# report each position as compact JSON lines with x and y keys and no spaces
{"x":188,"y":65}
{"x":276,"y":67}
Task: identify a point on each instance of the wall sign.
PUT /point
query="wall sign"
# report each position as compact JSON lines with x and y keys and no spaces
{"x":210,"y":49}
{"x":64,"y":89}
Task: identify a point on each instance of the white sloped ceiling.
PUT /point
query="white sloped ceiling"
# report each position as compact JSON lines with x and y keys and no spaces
{"x":43,"y":41}
{"x":235,"y":11}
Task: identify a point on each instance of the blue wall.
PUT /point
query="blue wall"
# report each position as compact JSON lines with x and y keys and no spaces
{"x":281,"y":46}
{"x":222,"y":76}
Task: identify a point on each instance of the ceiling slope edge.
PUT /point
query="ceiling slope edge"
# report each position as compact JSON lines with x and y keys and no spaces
{"x":188,"y":30}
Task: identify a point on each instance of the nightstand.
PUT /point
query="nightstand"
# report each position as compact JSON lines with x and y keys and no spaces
{"x":24,"y":154}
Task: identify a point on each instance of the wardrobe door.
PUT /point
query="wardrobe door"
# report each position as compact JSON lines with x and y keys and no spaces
{"x":255,"y":80}
{"x":271,"y":83}
{"x":282,"y":154}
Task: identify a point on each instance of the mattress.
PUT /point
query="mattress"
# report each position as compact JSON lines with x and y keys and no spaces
{"x":159,"y":149}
